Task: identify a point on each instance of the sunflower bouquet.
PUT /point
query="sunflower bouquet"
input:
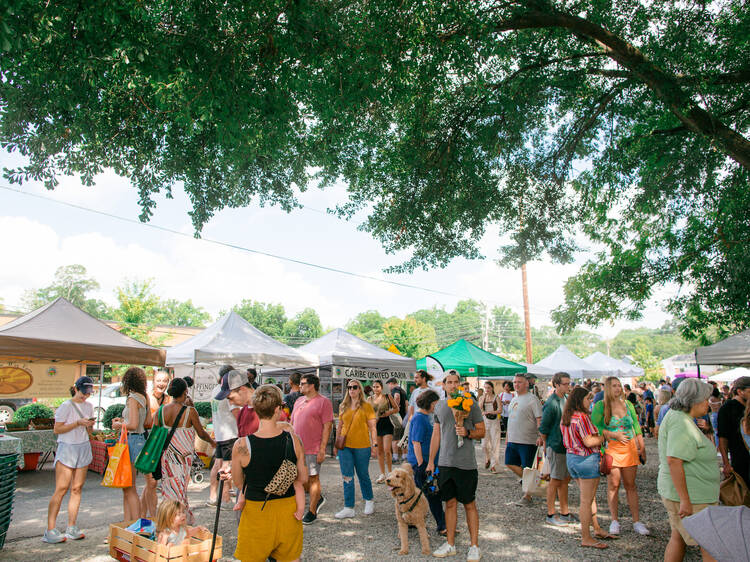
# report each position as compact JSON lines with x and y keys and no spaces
{"x":460,"y":404}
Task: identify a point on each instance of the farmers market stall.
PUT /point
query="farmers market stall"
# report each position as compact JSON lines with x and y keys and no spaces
{"x":60,"y":333}
{"x":565,"y":361}
{"x":473,"y":361}
{"x":231,"y":339}
{"x":340,"y":356}
{"x":37,"y":446}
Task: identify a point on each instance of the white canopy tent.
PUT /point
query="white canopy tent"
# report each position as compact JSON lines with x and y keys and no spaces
{"x":351,"y":357}
{"x":731,"y":375}
{"x":614,"y":367}
{"x":538,"y":370}
{"x":734,"y":350}
{"x":564,"y":360}
{"x":231,"y":339}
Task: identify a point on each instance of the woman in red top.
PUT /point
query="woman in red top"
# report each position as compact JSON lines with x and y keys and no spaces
{"x":582,"y":443}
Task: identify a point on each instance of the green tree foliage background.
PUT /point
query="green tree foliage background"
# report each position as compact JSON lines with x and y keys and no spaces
{"x":622,"y":124}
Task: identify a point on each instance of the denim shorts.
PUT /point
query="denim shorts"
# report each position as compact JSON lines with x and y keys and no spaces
{"x":586,"y":468}
{"x":136,"y":441}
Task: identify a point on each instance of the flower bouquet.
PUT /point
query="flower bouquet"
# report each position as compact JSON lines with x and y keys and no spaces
{"x":460,"y":404}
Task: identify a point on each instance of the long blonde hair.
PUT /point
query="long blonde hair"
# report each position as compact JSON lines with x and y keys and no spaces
{"x":347,"y":403}
{"x":609,"y":398}
{"x":165,"y":514}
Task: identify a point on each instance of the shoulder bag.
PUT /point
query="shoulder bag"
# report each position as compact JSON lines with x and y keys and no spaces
{"x":494,"y":405}
{"x":149,"y":459}
{"x":285,"y":475}
{"x":395,"y":417}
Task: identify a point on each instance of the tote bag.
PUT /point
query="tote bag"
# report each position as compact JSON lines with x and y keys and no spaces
{"x":532,"y":482}
{"x":119,"y":474}
{"x":150,"y":455}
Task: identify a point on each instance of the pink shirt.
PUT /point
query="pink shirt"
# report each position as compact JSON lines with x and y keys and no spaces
{"x":308,"y":418}
{"x":573,"y":434}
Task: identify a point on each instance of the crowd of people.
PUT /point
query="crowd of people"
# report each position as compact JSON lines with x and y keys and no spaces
{"x":270,"y":449}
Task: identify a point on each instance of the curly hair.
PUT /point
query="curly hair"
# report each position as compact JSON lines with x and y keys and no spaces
{"x":134,"y":380}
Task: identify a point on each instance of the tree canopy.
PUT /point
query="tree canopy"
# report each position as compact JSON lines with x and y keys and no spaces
{"x":620,"y":125}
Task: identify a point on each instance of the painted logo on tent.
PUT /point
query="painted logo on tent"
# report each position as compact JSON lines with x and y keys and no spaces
{"x":14,"y":380}
{"x":51,"y":372}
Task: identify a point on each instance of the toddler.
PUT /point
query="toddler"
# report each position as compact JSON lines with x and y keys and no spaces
{"x":171,"y":524}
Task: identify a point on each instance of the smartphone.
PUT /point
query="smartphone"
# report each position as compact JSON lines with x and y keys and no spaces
{"x":92,"y":419}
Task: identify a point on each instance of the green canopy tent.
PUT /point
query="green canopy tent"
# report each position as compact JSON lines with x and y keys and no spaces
{"x":473,"y":361}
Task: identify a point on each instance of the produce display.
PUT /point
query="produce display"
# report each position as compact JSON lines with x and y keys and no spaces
{"x":104,"y":435}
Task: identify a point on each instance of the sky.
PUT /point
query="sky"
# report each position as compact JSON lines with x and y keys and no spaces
{"x":42,"y":230}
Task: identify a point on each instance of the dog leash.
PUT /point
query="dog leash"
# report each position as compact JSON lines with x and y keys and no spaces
{"x":414,"y":504}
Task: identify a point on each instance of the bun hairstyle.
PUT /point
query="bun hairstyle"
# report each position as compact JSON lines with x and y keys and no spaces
{"x":178,"y":387}
{"x":189,"y":381}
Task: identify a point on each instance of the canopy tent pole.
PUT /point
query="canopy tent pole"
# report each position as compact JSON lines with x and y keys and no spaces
{"x":192,"y":389}
{"x":101,"y":383}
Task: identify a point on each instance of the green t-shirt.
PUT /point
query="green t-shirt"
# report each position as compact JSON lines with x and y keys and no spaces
{"x":680,"y":438}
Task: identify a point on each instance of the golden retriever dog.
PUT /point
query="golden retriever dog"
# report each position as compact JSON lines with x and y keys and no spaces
{"x":411,"y":506}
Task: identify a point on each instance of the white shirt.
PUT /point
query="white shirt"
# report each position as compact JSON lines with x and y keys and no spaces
{"x":66,"y":413}
{"x":224,"y":422}
{"x":506,"y":407}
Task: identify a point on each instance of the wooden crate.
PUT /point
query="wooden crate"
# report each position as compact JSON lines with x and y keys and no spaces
{"x":127,"y":546}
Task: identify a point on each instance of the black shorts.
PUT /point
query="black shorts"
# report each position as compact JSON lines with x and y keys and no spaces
{"x":384,"y":427}
{"x":224,"y":449}
{"x":458,"y":483}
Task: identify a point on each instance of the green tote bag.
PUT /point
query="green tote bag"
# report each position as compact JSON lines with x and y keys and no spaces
{"x":149,"y":457}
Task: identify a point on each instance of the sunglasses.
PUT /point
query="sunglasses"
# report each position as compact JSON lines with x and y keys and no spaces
{"x":353,"y":387}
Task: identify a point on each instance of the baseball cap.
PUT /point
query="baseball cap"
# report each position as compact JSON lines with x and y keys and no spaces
{"x":233,"y":379}
{"x":85,"y":384}
{"x":742,"y":382}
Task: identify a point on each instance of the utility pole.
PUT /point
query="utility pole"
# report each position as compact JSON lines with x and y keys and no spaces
{"x":525,"y":289}
{"x":526,"y":319}
{"x":486,"y":330}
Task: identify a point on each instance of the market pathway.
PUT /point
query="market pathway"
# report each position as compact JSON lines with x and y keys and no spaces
{"x":505,"y":530}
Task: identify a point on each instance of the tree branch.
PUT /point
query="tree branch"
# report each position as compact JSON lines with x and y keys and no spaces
{"x":665,"y":86}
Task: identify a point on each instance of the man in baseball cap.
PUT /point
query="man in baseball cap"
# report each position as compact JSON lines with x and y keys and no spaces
{"x":237,"y":388}
{"x":730,"y":439}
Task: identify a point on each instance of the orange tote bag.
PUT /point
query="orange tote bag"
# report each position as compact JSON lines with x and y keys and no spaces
{"x":119,"y":473}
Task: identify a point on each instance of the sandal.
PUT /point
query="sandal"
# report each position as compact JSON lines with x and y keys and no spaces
{"x":487,"y":464}
{"x":597,"y":545}
{"x":606,"y":537}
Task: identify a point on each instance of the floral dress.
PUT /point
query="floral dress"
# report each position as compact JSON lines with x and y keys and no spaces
{"x":175,"y":464}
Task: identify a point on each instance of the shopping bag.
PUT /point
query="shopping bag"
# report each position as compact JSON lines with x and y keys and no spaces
{"x":149,"y":457}
{"x":119,"y":473}
{"x":532,"y":483}
{"x":733,"y":491}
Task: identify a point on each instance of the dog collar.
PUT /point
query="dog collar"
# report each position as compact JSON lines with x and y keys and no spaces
{"x":415,"y":502}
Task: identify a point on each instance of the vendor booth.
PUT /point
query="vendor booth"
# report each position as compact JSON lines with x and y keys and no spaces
{"x":60,"y":334}
{"x":233,"y":340}
{"x":731,"y":375}
{"x":341,"y":356}
{"x":734,"y":350}
{"x":625,"y":372}
{"x":472,"y":361}
{"x":565,"y":361}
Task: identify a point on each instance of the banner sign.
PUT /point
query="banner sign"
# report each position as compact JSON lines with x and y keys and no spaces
{"x":369,"y":374}
{"x":204,"y":380}
{"x":435,"y":368}
{"x":24,"y":379}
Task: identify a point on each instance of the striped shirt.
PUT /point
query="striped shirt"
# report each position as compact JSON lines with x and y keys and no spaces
{"x":573,"y":434}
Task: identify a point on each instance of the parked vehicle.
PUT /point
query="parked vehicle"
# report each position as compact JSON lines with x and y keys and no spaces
{"x":110,"y":395}
{"x":8,"y":406}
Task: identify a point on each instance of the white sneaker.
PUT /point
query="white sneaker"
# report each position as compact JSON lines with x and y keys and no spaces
{"x":369,"y":507}
{"x":614,"y":527}
{"x":640,"y":528}
{"x":380,"y":479}
{"x":74,"y":533}
{"x":53,"y":537}
{"x":445,"y":551}
{"x":474,"y":554}
{"x":345,"y":513}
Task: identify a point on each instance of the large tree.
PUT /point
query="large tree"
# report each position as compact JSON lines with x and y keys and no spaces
{"x":623,"y":122}
{"x":72,"y":283}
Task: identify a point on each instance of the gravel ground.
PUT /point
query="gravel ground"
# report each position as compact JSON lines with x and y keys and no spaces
{"x":505,"y":530}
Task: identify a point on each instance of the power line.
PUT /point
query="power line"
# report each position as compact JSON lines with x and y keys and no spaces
{"x":251,"y":250}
